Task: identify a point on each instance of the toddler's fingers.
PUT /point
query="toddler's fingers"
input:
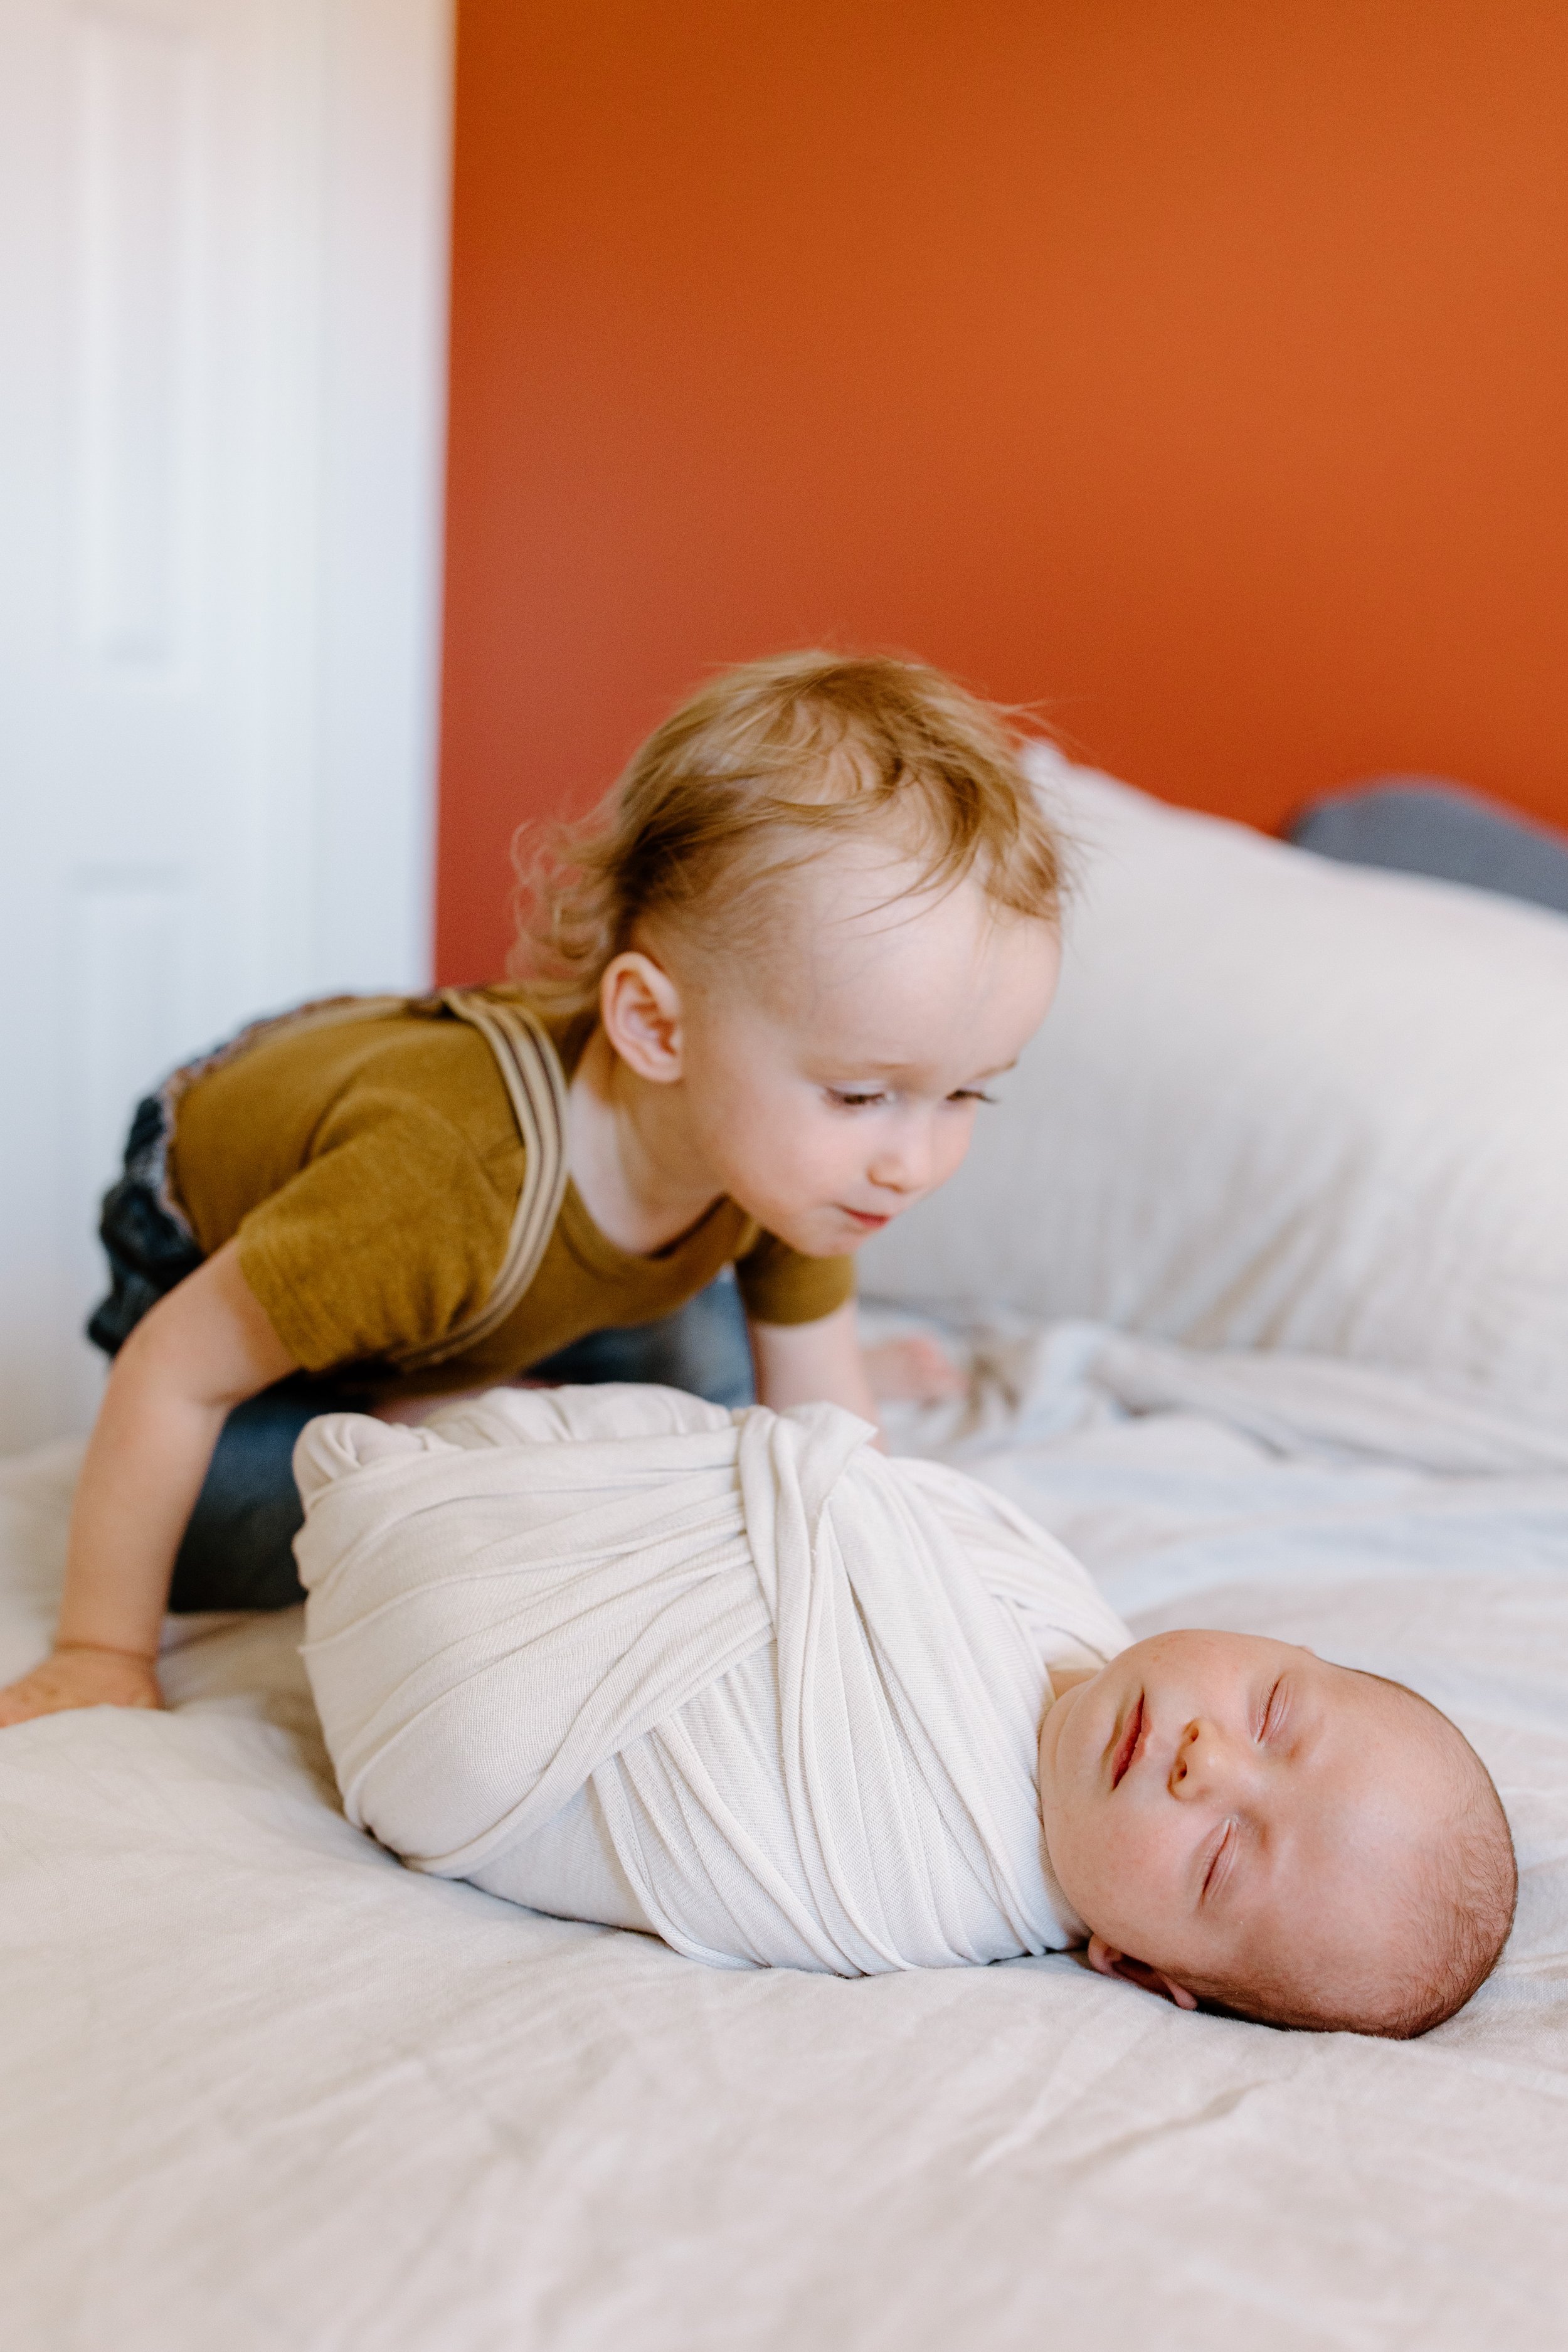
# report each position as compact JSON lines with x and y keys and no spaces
{"x":912,"y":1371}
{"x":78,"y":1679}
{"x":20,"y":1703}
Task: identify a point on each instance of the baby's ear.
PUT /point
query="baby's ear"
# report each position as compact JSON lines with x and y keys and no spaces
{"x":1110,"y":1962}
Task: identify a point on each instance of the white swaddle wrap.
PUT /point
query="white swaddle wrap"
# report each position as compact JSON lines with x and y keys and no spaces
{"x":735,"y":1677}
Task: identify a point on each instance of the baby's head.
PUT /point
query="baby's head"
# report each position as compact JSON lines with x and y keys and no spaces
{"x":1238,"y":1821}
{"x":822,"y":903}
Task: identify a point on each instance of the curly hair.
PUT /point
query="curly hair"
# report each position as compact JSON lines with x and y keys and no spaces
{"x":760,"y":770}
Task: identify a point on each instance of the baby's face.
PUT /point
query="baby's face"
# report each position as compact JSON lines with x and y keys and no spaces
{"x":1216,"y":1802}
{"x":837,"y":1084}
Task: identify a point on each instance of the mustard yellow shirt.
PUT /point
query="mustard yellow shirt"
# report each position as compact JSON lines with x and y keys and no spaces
{"x":371,"y":1168}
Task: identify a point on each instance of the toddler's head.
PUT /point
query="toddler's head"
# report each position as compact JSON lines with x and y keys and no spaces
{"x":1238,"y":1822}
{"x":822,"y":902}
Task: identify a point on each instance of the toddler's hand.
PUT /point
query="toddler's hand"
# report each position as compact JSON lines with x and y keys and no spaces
{"x":79,"y":1676}
{"x":912,"y":1371}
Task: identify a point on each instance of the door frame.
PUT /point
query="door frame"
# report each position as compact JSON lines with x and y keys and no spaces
{"x":385,"y":144}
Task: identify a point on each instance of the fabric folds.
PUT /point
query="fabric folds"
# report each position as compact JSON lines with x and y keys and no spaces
{"x":783,"y":1691}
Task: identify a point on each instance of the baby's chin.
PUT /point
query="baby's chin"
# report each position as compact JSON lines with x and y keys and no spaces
{"x":1069,"y":1687}
{"x":1074,"y":1926}
{"x":1077,"y":1927}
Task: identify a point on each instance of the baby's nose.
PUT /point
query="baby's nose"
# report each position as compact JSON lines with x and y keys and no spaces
{"x":1199,"y":1758}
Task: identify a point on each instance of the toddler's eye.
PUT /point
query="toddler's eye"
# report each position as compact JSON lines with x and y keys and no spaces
{"x":848,"y":1101}
{"x":971,"y":1093}
{"x":1274,"y":1711}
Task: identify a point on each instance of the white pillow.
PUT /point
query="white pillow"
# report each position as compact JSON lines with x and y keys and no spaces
{"x":1281,"y":1103}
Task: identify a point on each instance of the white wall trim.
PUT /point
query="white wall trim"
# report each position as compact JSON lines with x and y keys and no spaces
{"x":387,"y":150}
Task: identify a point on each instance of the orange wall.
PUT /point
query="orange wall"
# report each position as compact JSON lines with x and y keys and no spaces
{"x":1195,"y":368}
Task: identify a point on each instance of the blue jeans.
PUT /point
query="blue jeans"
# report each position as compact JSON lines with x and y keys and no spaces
{"x":237,"y":1551}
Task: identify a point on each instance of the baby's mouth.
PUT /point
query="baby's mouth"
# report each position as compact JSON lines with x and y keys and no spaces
{"x":1128,"y":1743}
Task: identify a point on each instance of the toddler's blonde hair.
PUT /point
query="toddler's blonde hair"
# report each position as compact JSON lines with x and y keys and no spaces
{"x":760,"y":770}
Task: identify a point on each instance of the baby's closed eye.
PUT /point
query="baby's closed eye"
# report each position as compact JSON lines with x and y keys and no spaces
{"x":1221,"y":1861}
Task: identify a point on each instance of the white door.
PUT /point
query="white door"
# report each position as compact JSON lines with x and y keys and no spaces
{"x":223,"y":241}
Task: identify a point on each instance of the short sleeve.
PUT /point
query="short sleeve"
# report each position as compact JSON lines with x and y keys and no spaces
{"x":388,"y":1238}
{"x":780,"y":1285}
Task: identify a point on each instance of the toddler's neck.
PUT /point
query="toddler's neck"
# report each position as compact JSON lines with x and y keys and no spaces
{"x":631,"y":1154}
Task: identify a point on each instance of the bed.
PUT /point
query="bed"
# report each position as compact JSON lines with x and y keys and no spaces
{"x":1274,"y":1339}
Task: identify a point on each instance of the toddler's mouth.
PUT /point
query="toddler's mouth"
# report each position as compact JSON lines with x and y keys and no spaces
{"x":859,"y":1217}
{"x":1128,"y":1744}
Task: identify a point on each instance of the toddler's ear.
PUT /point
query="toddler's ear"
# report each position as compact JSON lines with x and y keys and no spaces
{"x":1110,"y":1962}
{"x":640,"y":1005}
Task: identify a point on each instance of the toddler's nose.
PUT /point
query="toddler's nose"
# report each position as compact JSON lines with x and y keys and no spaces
{"x":902,"y":1163}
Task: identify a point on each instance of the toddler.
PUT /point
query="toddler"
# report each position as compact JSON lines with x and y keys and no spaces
{"x":760,"y":999}
{"x":735,"y":1679}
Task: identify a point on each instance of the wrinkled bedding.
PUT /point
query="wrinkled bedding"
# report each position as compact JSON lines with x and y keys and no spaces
{"x":267,"y":2088}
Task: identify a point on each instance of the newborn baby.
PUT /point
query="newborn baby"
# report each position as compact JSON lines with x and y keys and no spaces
{"x":737,"y":1680}
{"x":1238,"y":1822}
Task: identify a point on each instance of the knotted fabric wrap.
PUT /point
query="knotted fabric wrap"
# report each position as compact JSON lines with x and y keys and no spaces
{"x":795,"y":1687}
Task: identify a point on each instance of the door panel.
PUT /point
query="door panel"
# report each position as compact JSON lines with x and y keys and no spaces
{"x":223,"y":278}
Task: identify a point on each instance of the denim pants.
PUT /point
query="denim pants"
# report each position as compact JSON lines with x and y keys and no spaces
{"x":237,"y":1551}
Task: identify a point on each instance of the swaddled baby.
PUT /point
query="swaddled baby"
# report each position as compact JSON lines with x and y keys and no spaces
{"x":737,"y":1680}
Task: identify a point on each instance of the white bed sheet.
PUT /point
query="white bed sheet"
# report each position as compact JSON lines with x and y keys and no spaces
{"x":264,"y":2089}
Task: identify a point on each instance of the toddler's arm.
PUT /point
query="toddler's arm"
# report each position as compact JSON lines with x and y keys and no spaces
{"x":797,"y":1363}
{"x":802,"y":1364}
{"x":199,"y":1352}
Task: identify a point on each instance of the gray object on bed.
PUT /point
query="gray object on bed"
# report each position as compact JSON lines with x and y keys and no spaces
{"x":1417,"y":825}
